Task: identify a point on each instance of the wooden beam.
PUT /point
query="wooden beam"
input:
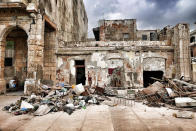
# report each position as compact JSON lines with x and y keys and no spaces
{"x":52,"y":24}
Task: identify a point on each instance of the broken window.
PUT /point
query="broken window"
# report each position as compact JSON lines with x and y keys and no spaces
{"x":153,"y":36}
{"x":9,"y":53}
{"x":126,"y":36}
{"x":144,"y":37}
{"x":8,"y":62}
{"x":192,"y":39}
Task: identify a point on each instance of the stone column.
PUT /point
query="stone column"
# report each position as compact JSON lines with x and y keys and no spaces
{"x":35,"y":53}
{"x":2,"y":79}
{"x":182,"y":53}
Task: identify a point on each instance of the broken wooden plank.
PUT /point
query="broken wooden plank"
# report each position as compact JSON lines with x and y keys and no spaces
{"x":185,"y":83}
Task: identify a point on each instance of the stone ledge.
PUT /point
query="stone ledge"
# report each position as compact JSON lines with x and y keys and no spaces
{"x":12,"y":5}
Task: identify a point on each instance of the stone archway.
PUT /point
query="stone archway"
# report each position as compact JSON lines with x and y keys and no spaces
{"x":14,"y":56}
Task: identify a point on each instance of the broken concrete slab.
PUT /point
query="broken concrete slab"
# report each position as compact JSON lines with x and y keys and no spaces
{"x":185,"y":102}
{"x":184,"y":115}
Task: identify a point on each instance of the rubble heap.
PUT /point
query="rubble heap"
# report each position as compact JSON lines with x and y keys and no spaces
{"x":62,"y":99}
{"x":175,"y":94}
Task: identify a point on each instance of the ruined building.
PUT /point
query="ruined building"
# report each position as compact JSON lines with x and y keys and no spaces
{"x":193,"y":53}
{"x":41,"y":42}
{"x":30,"y":31}
{"x":123,"y":56}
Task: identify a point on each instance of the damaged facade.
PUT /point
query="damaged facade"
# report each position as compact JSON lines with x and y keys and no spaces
{"x":29,"y":34}
{"x":41,"y":42}
{"x":193,"y":53}
{"x":123,"y":56}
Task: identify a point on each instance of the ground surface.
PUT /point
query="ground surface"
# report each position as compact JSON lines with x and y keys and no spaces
{"x":132,"y":117}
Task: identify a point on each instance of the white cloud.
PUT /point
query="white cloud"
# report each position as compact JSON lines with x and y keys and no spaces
{"x":150,"y":14}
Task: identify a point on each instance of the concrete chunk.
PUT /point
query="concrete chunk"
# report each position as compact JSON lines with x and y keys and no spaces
{"x":184,"y":115}
{"x":185,"y":102}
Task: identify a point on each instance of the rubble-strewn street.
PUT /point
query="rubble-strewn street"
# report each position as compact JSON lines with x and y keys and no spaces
{"x":97,"y":65}
{"x":100,"y":117}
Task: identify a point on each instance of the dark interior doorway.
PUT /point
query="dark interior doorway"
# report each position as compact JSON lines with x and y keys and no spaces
{"x":80,"y":72}
{"x":148,"y":74}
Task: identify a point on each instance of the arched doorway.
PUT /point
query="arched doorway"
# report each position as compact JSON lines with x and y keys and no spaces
{"x":15,"y":61}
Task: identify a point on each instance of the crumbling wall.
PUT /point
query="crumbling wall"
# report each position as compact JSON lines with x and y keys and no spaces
{"x":47,"y":23}
{"x":118,"y":30}
{"x":72,"y":24}
{"x":151,"y":35}
{"x":166,"y":35}
{"x":193,"y":53}
{"x":50,"y":46}
{"x":69,"y":16}
{"x":118,"y":64}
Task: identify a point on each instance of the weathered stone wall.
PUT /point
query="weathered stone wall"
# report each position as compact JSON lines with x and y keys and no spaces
{"x":181,"y":41}
{"x":69,"y":16}
{"x":129,"y":57}
{"x":19,"y":55}
{"x":166,"y":35}
{"x":193,"y":53}
{"x":154,"y":37}
{"x":118,"y":30}
{"x":46,"y":23}
{"x":72,"y":24}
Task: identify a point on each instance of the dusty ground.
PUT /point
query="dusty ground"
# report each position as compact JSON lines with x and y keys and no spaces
{"x":137,"y":117}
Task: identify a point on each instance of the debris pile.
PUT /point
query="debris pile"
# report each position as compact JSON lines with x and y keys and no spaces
{"x":62,"y":99}
{"x":172,"y":93}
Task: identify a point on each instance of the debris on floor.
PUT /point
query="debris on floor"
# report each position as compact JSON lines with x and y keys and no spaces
{"x":61,"y":99}
{"x":184,"y":115}
{"x":167,"y":92}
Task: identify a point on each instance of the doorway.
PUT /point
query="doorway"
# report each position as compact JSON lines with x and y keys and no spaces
{"x":15,"y":61}
{"x":80,"y":72}
{"x":148,"y":75}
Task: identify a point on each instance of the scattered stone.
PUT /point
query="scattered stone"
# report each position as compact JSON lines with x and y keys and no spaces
{"x":185,"y":102}
{"x":42,"y":110}
{"x":184,"y":115}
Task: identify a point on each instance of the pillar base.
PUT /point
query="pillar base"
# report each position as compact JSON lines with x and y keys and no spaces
{"x":2,"y":86}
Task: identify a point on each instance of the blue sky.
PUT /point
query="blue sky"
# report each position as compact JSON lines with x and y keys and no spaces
{"x":150,"y":14}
